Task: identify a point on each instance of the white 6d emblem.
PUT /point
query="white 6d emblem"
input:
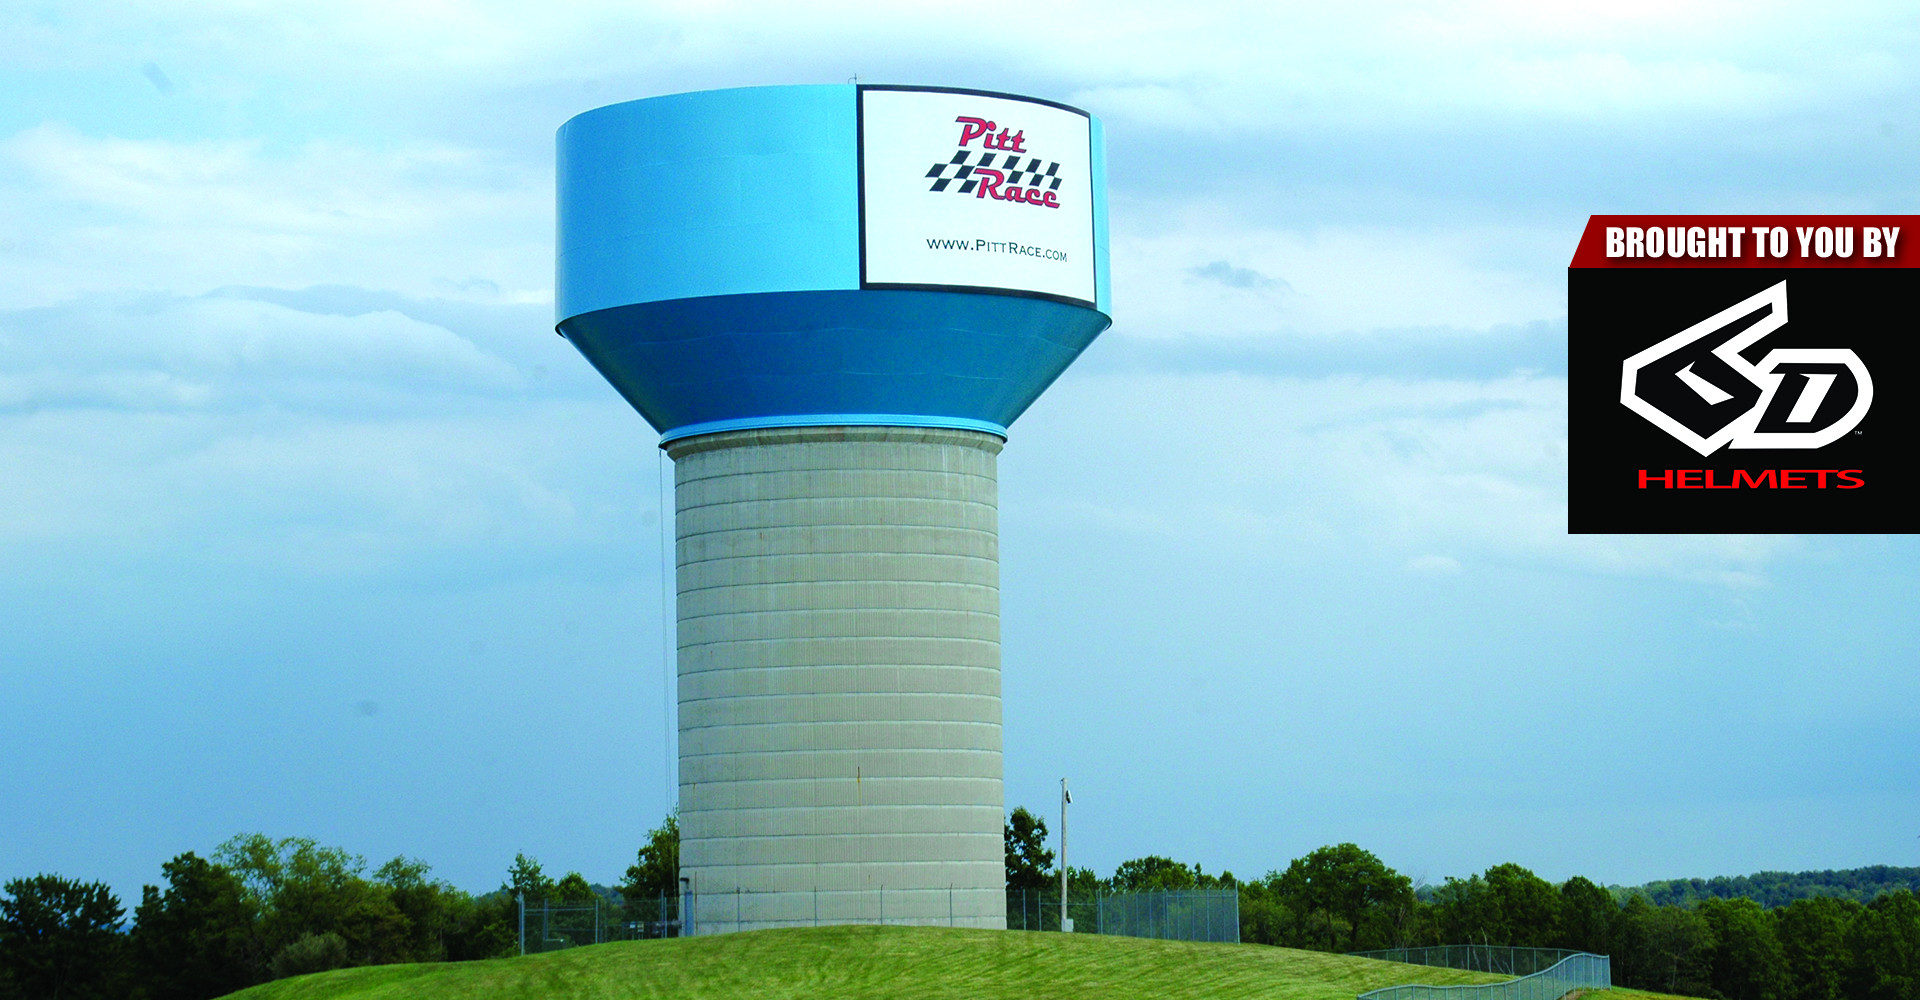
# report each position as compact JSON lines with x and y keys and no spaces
{"x":1696,"y":386}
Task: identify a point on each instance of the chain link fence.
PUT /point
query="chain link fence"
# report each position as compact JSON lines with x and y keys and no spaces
{"x":1039,"y":910}
{"x":550,"y":926}
{"x":1178,"y":915}
{"x":1172,"y":914}
{"x":729,"y":910}
{"x":1572,"y":971}
{"x":1503,"y":959}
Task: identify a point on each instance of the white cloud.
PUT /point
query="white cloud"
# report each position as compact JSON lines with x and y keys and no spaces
{"x":156,"y":352}
{"x":1231,"y":65}
{"x":90,"y":213}
{"x":1365,"y":67}
{"x":228,"y":432}
{"x":1434,"y":565}
{"x":314,"y":495}
{"x":1339,"y":280}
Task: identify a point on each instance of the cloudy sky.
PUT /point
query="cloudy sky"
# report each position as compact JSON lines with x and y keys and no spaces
{"x":311,"y":526}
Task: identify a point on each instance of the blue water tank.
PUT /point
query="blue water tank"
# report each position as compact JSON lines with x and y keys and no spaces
{"x":831,"y":255}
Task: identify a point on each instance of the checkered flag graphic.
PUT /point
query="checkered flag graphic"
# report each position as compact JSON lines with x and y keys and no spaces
{"x":1017,"y":176}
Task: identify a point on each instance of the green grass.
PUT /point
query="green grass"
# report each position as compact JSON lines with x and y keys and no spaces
{"x":883,"y":963}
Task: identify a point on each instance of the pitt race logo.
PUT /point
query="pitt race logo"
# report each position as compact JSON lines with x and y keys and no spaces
{"x":1005,"y":180}
{"x":1699,"y":387}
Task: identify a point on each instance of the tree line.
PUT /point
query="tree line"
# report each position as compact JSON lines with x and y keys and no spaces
{"x":1341,"y":898}
{"x":260,"y":909}
{"x":1772,"y":889}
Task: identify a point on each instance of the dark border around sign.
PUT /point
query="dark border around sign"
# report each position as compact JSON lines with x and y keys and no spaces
{"x":1018,"y":293}
{"x":860,"y":195}
{"x":976,"y":93}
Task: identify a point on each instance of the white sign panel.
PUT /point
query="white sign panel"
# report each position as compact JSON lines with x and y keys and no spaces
{"x":977,"y":191}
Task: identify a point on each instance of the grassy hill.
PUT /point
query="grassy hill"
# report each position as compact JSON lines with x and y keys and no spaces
{"x":882,"y":963}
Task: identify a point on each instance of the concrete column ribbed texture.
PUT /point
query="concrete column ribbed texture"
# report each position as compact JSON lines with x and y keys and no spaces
{"x":839,"y":666}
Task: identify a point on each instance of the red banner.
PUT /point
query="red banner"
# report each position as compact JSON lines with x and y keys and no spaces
{"x":1667,"y":241}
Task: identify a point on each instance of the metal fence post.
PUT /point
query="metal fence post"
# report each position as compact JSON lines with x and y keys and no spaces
{"x":522,"y":900}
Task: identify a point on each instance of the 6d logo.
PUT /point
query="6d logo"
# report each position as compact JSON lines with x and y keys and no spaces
{"x":1696,"y":385}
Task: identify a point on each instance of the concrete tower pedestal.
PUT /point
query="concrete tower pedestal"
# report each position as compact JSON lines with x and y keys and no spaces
{"x":839,"y":672}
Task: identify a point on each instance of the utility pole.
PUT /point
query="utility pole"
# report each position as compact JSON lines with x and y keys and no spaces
{"x":1066,"y":799}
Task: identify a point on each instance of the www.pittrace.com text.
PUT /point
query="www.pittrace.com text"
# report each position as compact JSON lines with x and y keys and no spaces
{"x":991,"y":246}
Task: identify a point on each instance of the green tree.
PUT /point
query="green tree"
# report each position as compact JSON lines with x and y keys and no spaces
{"x":1630,"y":936}
{"x":526,"y":885}
{"x":1029,"y":863}
{"x":310,"y":953}
{"x":650,"y":892}
{"x":1586,"y":913}
{"x":1507,"y":905}
{"x":1463,"y":911}
{"x":1523,"y":908}
{"x":656,"y":873}
{"x":573,"y":890}
{"x":486,"y":927}
{"x":526,"y":881}
{"x":1884,"y":947}
{"x":60,"y":939}
{"x":1776,"y":889}
{"x":1813,"y":940}
{"x":1082,"y":882}
{"x":1152,"y":873}
{"x":431,"y":909}
{"x":1747,"y":962}
{"x":1344,"y":884}
{"x":1224,"y":880}
{"x":1265,"y":917}
{"x":306,"y":889}
{"x":1678,"y":951}
{"x":198,"y":938}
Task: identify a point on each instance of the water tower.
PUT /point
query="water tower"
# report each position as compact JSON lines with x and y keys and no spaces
{"x":832,"y":301}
